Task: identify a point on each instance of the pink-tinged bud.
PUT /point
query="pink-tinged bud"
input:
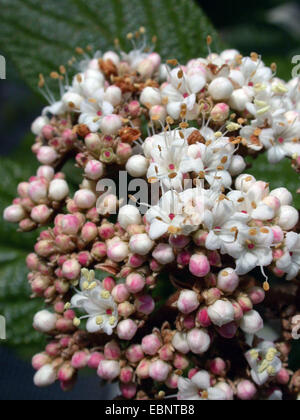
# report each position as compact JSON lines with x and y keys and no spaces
{"x":155,"y":59}
{"x":228,"y":331}
{"x":120,"y":293}
{"x":124,"y":152}
{"x":134,"y":108}
{"x":146,"y":68}
{"x":40,"y":360}
{"x":112,"y":351}
{"x":44,"y":248}
{"x":109,"y":370}
{"x":108,"y":283}
{"x":70,"y":224}
{"x":141,"y":244}
{"x":202,"y":318}
{"x":53,"y":349}
{"x":142,"y":371}
{"x":68,"y":137}
{"x":126,"y":329}
{"x":44,"y":321}
{"x":41,"y":214}
{"x":48,"y":132}
{"x":111,"y":124}
{"x":89,"y":232}
{"x":59,"y":307}
{"x":179,"y":242}
{"x":278,"y":234}
{"x":23,"y":189}
{"x":66,"y":372}
{"x":64,"y":243}
{"x":223,"y":386}
{"x":184,"y":258}
{"x":95,"y":360}
{"x":117,"y":250}
{"x":134,"y":353}
{"x":272,"y":202}
{"x":214,"y":258}
{"x":246,"y":390}
{"x":126,"y":375}
{"x":64,"y":325}
{"x":198,"y":341}
{"x":279,"y":273}
{"x":70,"y":315}
{"x":144,"y":304}
{"x":220,"y":112}
{"x":135,"y":282}
{"x":94,"y":170}
{"x":46,"y":172}
{"x":58,"y":189}
{"x":218,"y":367}
{"x":238,"y":312}
{"x":245,"y":303}
{"x":172,"y":381}
{"x":80,"y":360}
{"x":106,"y":231}
{"x":277,"y":254}
{"x":50,"y":293}
{"x":283,"y":377}
{"x":136,"y":261}
{"x":189,"y":322}
{"x":228,"y":280}
{"x":93,"y":142}
{"x":188,"y":301}
{"x":164,"y":254}
{"x":84,"y":199}
{"x":180,"y":342}
{"x":45,"y":376}
{"x":32,"y":262}
{"x":199,"y":237}
{"x":166,"y":353}
{"x":159,"y":371}
{"x":126,"y":309}
{"x":288,"y":217}
{"x":99,"y":251}
{"x":151,"y":344}
{"x":47,"y":155}
{"x":221,"y":313}
{"x":192,"y":372}
{"x":211,"y":295}
{"x":71,"y":269}
{"x":155,"y":266}
{"x":252,"y":322}
{"x":14,"y":214}
{"x":159,"y":113}
{"x":180,"y":362}
{"x":199,"y":265}
{"x":84,"y":258}
{"x":284,"y":196}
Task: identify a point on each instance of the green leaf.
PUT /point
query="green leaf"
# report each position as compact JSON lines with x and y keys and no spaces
{"x":40,"y":36}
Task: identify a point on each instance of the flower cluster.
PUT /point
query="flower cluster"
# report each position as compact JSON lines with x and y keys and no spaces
{"x":171,"y":301}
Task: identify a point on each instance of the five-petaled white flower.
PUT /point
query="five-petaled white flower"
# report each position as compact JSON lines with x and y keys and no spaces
{"x":290,"y":261}
{"x":199,"y":388}
{"x":94,"y":109}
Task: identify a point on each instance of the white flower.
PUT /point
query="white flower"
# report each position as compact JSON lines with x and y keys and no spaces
{"x":97,"y":303}
{"x":252,"y":249}
{"x":251,"y":134}
{"x":198,"y":388}
{"x":290,"y":261}
{"x":264,"y":362}
{"x":94,"y":109}
{"x":281,"y":140}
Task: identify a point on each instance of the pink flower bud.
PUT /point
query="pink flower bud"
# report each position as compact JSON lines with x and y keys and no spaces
{"x":135,"y":282}
{"x":189,"y":322}
{"x":53,"y":349}
{"x":23,"y":189}
{"x":80,"y":360}
{"x":146,"y":68}
{"x":180,"y":362}
{"x":120,"y":293}
{"x":278,"y":234}
{"x":136,"y":261}
{"x":126,"y":375}
{"x":106,"y":231}
{"x":58,"y":189}
{"x":112,"y":351}
{"x":238,"y":312}
{"x":184,"y":258}
{"x":95,"y":360}
{"x":218,"y":367}
{"x":252,"y":322}
{"x":223,"y":386}
{"x":14,"y":214}
{"x":199,"y":237}
{"x":45,"y":376}
{"x":44,"y":321}
{"x":202,"y":318}
{"x":126,"y":329}
{"x":109,"y":370}
{"x":188,"y":301}
{"x":284,"y":196}
{"x":48,"y":132}
{"x":228,"y":280}
{"x":94,"y":170}
{"x":44,"y":248}
{"x":179,"y":242}
{"x":47,"y":155}
{"x":117,"y":250}
{"x":144,"y":304}
{"x":134,"y":108}
{"x":283,"y":377}
{"x":126,"y":309}
{"x":111,"y":124}
{"x":199,"y":265}
{"x":198,"y":341}
{"x":66,"y":372}
{"x":71,"y":269}
{"x":221,"y":313}
{"x":151,"y":344}
{"x":142,"y":371}
{"x":41,"y":214}
{"x":245,"y":303}
{"x":228,"y":331}
{"x":84,"y":199}
{"x":166,"y":353}
{"x":246,"y":390}
{"x":109,"y":283}
{"x":164,"y":254}
{"x":220,"y":112}
{"x":32,"y":262}
{"x":180,"y":342}
{"x":124,"y":152}
{"x":40,"y":360}
{"x":159,"y":371}
{"x":70,"y":224}
{"x":134,"y":353}
{"x":99,"y":251}
{"x":172,"y":381}
{"x":64,"y":325}
{"x":89,"y":232}
{"x":141,"y":244}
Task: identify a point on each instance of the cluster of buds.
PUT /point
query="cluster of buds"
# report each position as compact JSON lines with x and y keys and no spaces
{"x":168,"y":302}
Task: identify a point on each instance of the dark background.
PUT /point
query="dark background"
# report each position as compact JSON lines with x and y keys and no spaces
{"x":270,"y":27}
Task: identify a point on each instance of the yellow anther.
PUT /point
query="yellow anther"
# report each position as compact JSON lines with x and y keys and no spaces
{"x":270,"y":356}
{"x":85,"y":285}
{"x":271,"y":371}
{"x":112,"y":320}
{"x":254,"y":354}
{"x":218,"y":134}
{"x":99,"y":320}
{"x":233,"y":126}
{"x":105,"y":294}
{"x":264,"y":366}
{"x":76,"y":322}
{"x":67,"y":306}
{"x":92,"y":286}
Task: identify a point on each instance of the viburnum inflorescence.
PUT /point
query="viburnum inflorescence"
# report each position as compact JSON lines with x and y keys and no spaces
{"x":167,"y":298}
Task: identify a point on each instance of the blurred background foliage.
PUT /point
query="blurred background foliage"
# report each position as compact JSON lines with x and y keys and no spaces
{"x":269,"y":27}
